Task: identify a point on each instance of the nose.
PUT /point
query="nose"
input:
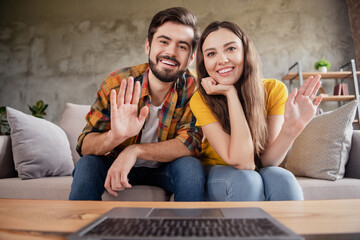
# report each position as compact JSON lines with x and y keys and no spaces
{"x":171,"y":49}
{"x":223,"y":59}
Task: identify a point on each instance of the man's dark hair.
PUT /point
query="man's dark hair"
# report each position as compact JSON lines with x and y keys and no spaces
{"x":178,"y":15}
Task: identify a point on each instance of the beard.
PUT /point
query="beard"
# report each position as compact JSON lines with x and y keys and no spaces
{"x":165,"y":75}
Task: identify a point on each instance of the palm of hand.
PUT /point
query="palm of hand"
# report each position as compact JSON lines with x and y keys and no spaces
{"x":301,"y":105}
{"x":300,"y":113}
{"x":124,"y":120}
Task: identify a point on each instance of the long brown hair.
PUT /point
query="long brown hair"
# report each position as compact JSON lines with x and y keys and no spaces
{"x":249,"y":87}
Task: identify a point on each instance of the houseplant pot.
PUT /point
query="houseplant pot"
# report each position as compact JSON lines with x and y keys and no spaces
{"x":322,"y":65}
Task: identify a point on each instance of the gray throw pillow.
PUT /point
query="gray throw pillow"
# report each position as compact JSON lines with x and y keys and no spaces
{"x":40,"y":148}
{"x":322,"y":149}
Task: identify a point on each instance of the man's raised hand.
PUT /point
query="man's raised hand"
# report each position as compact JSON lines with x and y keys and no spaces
{"x":125,"y":122}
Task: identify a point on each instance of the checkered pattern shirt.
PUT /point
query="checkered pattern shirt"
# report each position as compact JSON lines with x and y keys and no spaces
{"x":175,"y":117}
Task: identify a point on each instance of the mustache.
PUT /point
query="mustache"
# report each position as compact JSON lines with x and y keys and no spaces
{"x":168,"y":58}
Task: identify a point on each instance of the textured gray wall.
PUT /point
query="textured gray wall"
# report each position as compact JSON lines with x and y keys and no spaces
{"x":61,"y":50}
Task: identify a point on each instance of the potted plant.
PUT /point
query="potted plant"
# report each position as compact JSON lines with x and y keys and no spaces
{"x":37,"y":110}
{"x":322,"y":65}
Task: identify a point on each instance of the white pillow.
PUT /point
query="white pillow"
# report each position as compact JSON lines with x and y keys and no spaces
{"x":40,"y":148}
{"x":322,"y":149}
{"x":73,"y":122}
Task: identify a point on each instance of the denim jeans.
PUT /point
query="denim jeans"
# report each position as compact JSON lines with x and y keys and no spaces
{"x":226,"y":183}
{"x":185,"y":177}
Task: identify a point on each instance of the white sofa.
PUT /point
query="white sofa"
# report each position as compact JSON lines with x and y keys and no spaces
{"x":72,"y":123}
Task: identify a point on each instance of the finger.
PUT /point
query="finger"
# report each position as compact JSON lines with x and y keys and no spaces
{"x":136,"y":94}
{"x":124,"y":180}
{"x":121,"y":93}
{"x":143,"y":114}
{"x":129,"y":90}
{"x":117,"y":185}
{"x":317,"y":100}
{"x":113,"y":104}
{"x":107,"y":186}
{"x":303,"y":87}
{"x":316,"y":89}
{"x":207,"y":85}
{"x":312,"y":85}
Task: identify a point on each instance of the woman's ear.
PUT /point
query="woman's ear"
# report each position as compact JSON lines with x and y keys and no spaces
{"x":147,"y":46}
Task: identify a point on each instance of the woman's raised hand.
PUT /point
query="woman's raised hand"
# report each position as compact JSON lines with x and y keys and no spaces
{"x":125,"y":121}
{"x":212,"y":88}
{"x":301,"y":105}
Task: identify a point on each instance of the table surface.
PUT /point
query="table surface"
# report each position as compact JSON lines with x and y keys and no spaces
{"x":52,"y":219}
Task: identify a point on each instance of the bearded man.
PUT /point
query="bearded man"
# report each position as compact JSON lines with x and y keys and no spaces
{"x":140,"y":130}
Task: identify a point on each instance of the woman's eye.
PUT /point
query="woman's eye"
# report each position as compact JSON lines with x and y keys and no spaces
{"x":230,"y":49}
{"x":210,"y":54}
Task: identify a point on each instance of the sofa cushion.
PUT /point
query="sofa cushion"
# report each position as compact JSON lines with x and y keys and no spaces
{"x":51,"y":188}
{"x":58,"y":188}
{"x":139,"y":193}
{"x":322,"y":149}
{"x":73,"y":122}
{"x":319,"y":189}
{"x":40,"y":148}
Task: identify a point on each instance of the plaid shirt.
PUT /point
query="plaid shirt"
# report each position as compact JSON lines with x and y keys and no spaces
{"x":175,"y":117}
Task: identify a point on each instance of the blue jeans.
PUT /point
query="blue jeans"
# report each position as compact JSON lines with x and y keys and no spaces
{"x":226,"y":183}
{"x":184,"y":177}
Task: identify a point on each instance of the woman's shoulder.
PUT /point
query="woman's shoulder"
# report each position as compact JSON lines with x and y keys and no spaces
{"x":271,"y":84}
{"x":196,"y":98}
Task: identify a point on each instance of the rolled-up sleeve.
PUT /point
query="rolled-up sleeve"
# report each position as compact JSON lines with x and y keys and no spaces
{"x":188,"y":133}
{"x":98,"y":119}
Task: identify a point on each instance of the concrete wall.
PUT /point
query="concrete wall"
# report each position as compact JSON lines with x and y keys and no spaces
{"x":354,"y":17}
{"x":60,"y":50}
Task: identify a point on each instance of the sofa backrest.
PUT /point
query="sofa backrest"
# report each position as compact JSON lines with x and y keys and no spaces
{"x":352,"y":168}
{"x":73,"y":122}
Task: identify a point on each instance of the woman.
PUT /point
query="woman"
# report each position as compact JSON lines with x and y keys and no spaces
{"x":249,"y":122}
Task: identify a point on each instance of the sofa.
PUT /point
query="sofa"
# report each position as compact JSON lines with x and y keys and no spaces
{"x":56,"y":185}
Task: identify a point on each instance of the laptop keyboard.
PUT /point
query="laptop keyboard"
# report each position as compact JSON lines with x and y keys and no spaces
{"x":191,"y":228}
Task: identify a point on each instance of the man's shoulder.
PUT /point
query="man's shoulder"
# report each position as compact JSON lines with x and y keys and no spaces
{"x":133,"y":71}
{"x":114,"y":79}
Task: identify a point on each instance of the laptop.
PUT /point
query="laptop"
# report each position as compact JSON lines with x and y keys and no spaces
{"x":185,"y":223}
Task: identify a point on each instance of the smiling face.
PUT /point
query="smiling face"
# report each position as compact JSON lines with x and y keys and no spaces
{"x":223,"y":56}
{"x":170,"y":51}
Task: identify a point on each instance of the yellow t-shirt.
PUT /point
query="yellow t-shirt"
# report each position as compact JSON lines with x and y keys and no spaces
{"x":275,"y":105}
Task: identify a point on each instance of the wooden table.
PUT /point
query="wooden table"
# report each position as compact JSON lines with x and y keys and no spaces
{"x":50,"y":219}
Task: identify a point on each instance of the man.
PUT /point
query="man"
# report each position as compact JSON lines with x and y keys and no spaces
{"x":140,"y":130}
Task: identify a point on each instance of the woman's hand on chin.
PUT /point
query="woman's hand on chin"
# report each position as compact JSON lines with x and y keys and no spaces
{"x":213,"y":88}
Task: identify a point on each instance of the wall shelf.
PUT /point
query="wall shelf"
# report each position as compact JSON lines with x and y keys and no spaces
{"x":327,"y":98}
{"x":328,"y":75}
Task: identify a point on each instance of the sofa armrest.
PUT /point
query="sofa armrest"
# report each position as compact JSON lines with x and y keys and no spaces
{"x":7,"y":168}
{"x":352,"y":168}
